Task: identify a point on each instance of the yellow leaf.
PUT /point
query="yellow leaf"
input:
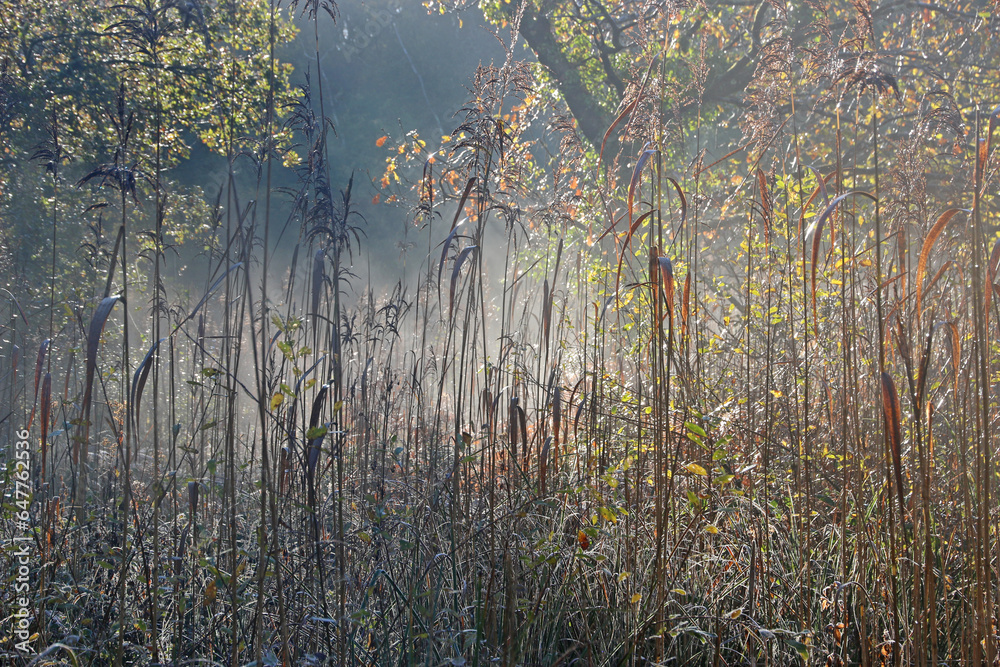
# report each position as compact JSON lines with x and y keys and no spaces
{"x":735,"y":613}
{"x":636,"y":597}
{"x":277,"y":400}
{"x":696,"y":469}
{"x":712,"y":529}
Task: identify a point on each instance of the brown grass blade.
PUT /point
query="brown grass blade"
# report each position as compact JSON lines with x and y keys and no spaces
{"x":446,"y":245}
{"x":685,"y":304}
{"x":113,"y":264}
{"x":42,"y":350}
{"x":543,"y":462}
{"x":893,"y":416}
{"x":488,"y":407}
{"x":684,"y":205}
{"x":17,"y":305}
{"x":628,"y":108}
{"x":901,"y":253}
{"x":819,"y":189}
{"x":512,"y":426}
{"x":461,"y":202}
{"x":462,"y":256}
{"x":522,"y":421}
{"x":315,"y":442}
{"x":626,"y":243}
{"x":940,"y":272}
{"x":208,"y":293}
{"x":15,"y":358}
{"x":293,"y":268}
{"x":816,"y":231}
{"x":193,"y":498}
{"x":821,"y":182}
{"x":625,"y":112}
{"x":984,"y":147}
{"x":925,"y":251}
{"x":922,"y":372}
{"x":93,"y":343}
{"x":765,"y":204}
{"x":610,"y":228}
{"x":579,"y":410}
{"x":427,"y":187}
{"x":991,"y":272}
{"x":139,"y":380}
{"x":546,"y":310}
{"x":637,"y":175}
{"x":956,"y":353}
{"x":667,"y":279}
{"x":318,"y":280}
{"x":46,"y":409}
{"x":994,"y":264}
{"x":555,"y":270}
{"x":556,"y":413}
{"x":607,"y":302}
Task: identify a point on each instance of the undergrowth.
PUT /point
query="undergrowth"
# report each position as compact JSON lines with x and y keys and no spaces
{"x":729,"y":413}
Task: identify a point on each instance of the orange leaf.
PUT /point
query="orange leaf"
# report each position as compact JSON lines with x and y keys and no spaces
{"x":381,"y":141}
{"x":582,"y":538}
{"x":925,"y":251}
{"x":210,"y":593}
{"x":376,"y":199}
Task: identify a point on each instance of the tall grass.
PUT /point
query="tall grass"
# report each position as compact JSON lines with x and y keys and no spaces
{"x":618,"y":422}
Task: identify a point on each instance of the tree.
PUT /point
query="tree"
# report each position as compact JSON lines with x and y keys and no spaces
{"x":187,"y":72}
{"x":718,"y":57}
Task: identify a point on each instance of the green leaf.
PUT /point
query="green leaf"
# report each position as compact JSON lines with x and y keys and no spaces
{"x":800,"y":648}
{"x":694,"y":428}
{"x":316,"y":432}
{"x":693,"y":500}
